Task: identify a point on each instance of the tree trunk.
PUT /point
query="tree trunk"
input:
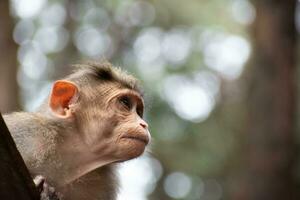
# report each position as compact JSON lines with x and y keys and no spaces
{"x":267,"y":174}
{"x":8,"y":63}
{"x":15,"y":179}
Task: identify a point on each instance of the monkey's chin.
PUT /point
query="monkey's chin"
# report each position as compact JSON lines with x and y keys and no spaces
{"x":132,"y":148}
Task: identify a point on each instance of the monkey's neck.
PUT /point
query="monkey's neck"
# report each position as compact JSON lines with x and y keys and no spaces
{"x":70,"y":161}
{"x":76,"y":161}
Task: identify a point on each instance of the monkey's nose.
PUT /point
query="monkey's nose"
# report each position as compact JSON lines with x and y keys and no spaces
{"x":144,"y":125}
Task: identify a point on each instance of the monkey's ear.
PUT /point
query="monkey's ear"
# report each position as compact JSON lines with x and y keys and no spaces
{"x":63,"y":94}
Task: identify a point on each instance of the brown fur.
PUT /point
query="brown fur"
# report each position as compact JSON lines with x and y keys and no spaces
{"x":76,"y":152}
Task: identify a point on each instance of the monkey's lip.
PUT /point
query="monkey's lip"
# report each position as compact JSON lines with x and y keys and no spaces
{"x":140,"y":138}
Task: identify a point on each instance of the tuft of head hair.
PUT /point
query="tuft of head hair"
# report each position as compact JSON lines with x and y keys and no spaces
{"x":104,"y":71}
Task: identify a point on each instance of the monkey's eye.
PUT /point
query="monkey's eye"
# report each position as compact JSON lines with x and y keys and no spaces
{"x":126,"y":102}
{"x":140,"y":112}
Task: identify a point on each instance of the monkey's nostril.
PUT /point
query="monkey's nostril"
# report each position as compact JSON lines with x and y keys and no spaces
{"x":144,"y":125}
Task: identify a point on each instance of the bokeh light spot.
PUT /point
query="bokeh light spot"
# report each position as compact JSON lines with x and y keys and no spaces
{"x":52,"y":38}
{"x":33,"y":61}
{"x":92,"y":42}
{"x":97,"y":17}
{"x":243,"y":11}
{"x":226,"y":55}
{"x":189,"y":100}
{"x":23,"y":31}
{"x":53,"y":15}
{"x":177,"y":185}
{"x":147,"y":46}
{"x":141,"y":13}
{"x":28,"y":8}
{"x":176,"y":46}
{"x":138,"y":178}
{"x":212,"y":190}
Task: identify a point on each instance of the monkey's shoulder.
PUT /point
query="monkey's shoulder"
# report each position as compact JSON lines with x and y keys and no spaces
{"x":24,"y":123}
{"x":32,"y":135}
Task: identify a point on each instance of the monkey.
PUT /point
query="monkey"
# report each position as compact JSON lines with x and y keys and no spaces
{"x":91,"y":121}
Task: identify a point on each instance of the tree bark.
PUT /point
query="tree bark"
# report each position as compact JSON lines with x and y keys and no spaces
{"x":8,"y":64}
{"x":268,"y":164}
{"x":15,"y":180}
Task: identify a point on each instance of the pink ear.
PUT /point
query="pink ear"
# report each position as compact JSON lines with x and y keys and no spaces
{"x":62,"y":95}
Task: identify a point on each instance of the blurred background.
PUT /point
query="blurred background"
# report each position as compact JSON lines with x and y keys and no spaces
{"x":220,"y":77}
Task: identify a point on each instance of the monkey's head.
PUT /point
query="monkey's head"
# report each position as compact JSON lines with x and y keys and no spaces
{"x":106,"y":107}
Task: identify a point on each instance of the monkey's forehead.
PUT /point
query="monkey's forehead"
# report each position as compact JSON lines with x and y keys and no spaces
{"x":108,"y":91}
{"x":104,"y":72}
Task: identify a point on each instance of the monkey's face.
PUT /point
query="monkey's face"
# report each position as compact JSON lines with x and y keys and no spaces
{"x":104,"y":118}
{"x":117,"y":130}
{"x":131,"y":134}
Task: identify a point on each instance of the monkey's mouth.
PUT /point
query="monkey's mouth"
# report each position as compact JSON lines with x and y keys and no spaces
{"x":139,"y":138}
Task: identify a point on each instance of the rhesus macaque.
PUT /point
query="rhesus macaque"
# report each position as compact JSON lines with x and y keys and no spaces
{"x":92,"y":119}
